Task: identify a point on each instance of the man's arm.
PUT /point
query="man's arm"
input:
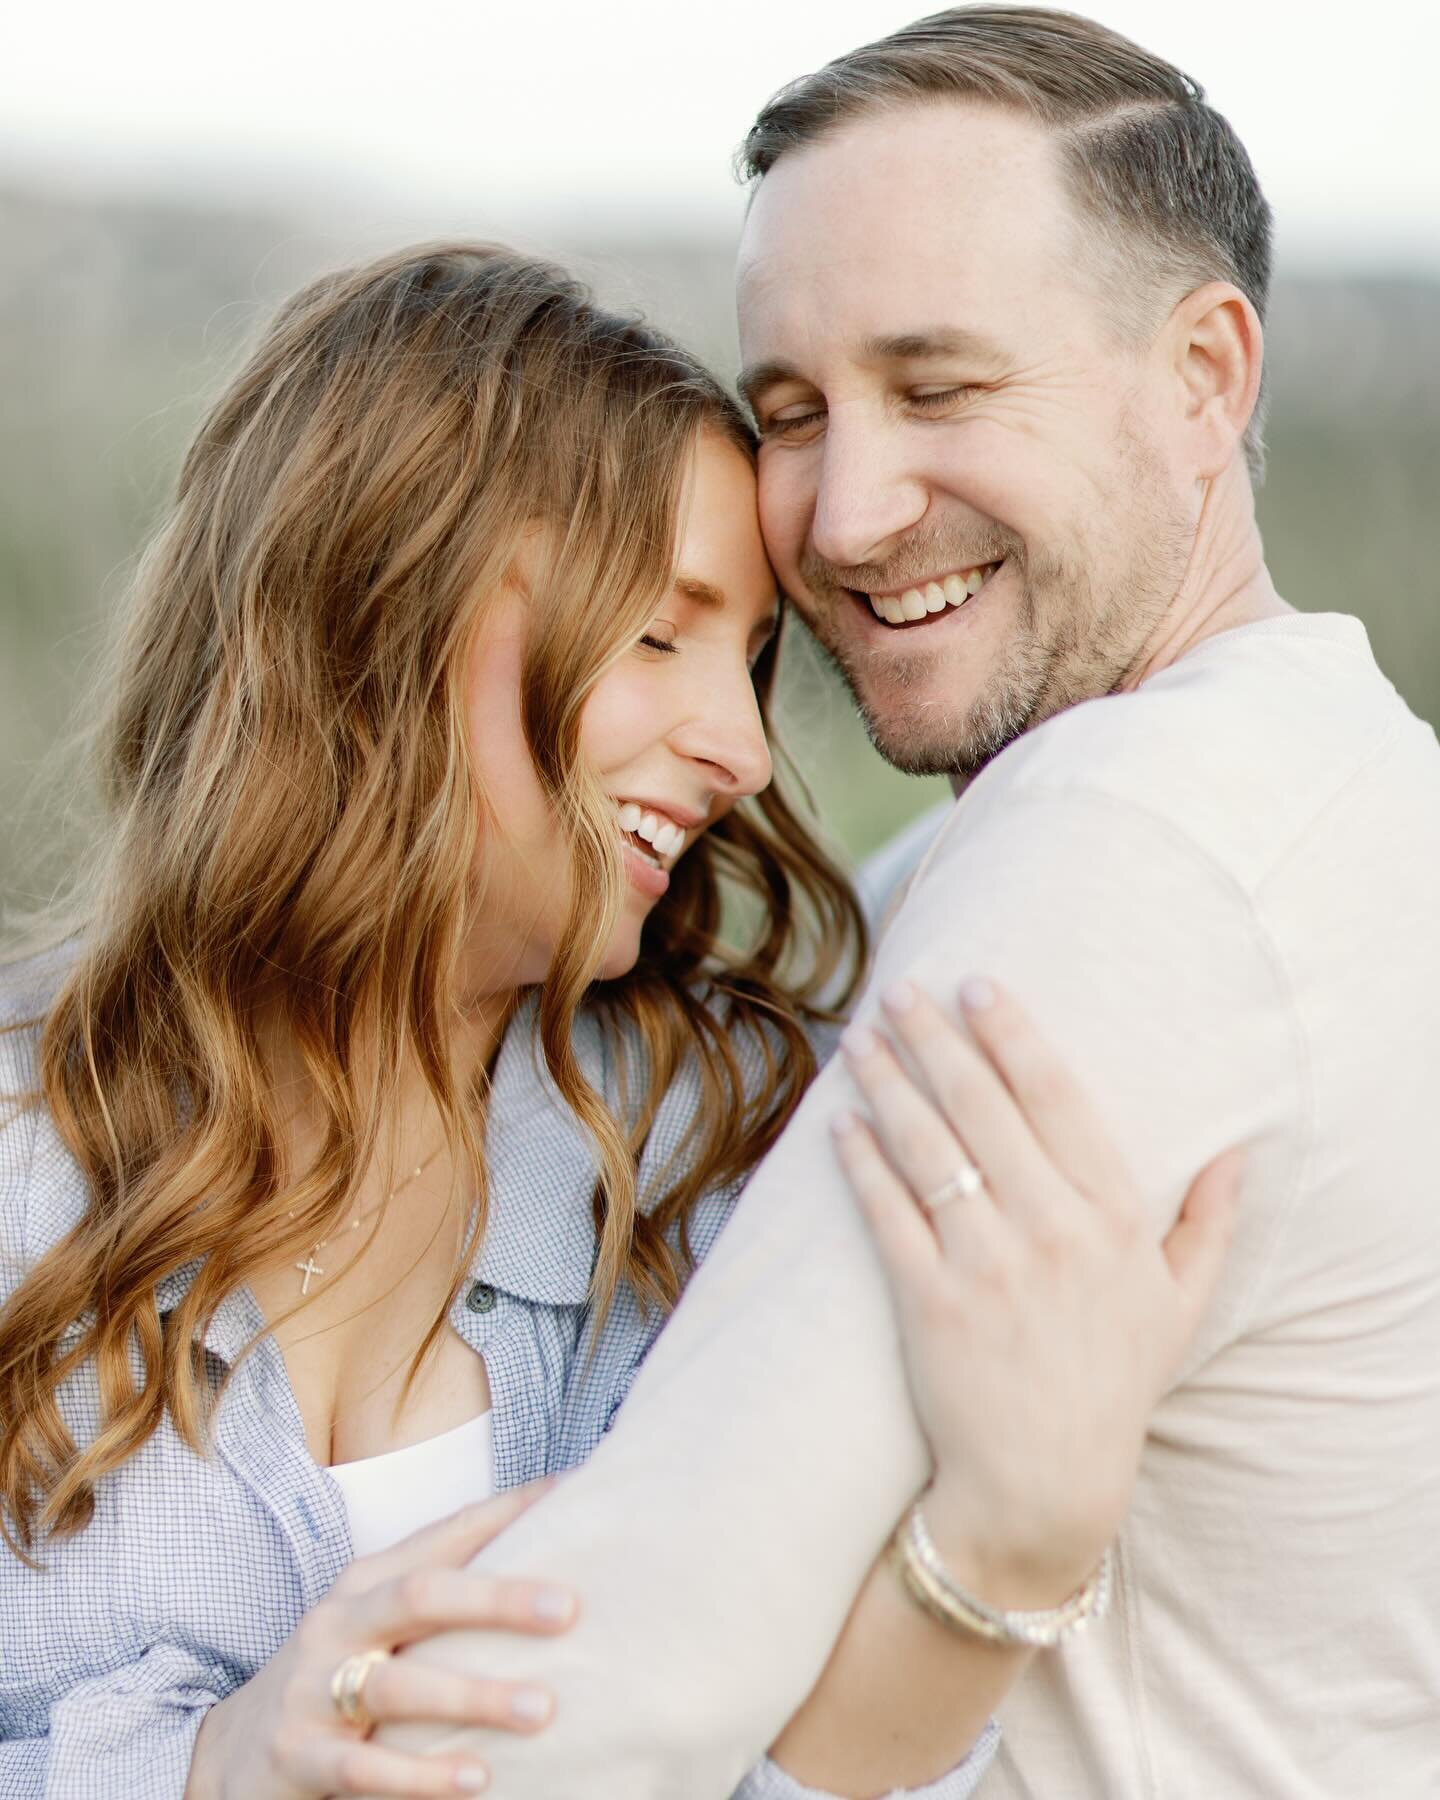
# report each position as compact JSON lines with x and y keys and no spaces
{"x":720,"y":1533}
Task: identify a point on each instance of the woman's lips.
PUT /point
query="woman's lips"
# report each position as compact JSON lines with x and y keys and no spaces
{"x":645,"y":875}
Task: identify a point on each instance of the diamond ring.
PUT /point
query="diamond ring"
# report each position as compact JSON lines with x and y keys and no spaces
{"x":964,"y":1184}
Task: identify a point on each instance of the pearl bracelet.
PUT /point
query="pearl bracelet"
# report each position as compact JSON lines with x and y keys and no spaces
{"x":930,"y":1584}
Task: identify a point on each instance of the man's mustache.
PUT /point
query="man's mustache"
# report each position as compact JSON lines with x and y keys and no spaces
{"x":913,"y":563}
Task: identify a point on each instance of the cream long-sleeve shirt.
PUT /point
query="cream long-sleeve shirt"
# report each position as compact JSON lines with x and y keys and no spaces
{"x":1220,"y":895}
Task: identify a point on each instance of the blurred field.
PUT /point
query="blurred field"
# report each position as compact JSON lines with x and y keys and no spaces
{"x":117,"y":321}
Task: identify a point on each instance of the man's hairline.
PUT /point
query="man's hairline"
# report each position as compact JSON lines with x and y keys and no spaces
{"x":1123,"y":246}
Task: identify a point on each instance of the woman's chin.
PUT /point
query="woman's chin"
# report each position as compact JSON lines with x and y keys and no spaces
{"x":623,"y":952}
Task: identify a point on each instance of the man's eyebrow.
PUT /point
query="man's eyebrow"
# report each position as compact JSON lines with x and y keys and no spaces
{"x":913,"y":346}
{"x":759,"y":376}
{"x":904,"y":346}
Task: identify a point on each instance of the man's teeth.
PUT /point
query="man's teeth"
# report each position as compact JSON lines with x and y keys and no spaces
{"x":663,"y":835}
{"x":916,"y":603}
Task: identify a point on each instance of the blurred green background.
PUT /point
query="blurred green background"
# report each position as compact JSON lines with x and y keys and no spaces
{"x":118,"y":319}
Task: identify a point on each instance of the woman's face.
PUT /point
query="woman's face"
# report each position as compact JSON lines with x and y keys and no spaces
{"x":672,"y":730}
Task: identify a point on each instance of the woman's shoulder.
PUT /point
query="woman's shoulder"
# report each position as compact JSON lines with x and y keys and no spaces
{"x":754,"y":1037}
{"x":42,"y":1192}
{"x":759,"y":1048}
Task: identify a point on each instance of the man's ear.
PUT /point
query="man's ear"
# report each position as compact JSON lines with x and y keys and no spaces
{"x":1217,"y":350}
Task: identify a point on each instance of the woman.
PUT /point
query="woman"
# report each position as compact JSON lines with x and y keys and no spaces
{"x":394,"y":1073}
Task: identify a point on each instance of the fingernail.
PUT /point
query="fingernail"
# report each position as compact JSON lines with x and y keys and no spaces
{"x":472,"y":1778}
{"x":899,"y":998}
{"x":857,"y":1040}
{"x":553,"y":1603}
{"x":530,"y":1704}
{"x":976,"y":994}
{"x":844,"y":1123}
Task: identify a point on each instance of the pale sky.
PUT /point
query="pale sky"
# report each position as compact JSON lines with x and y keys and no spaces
{"x":623,"y":113}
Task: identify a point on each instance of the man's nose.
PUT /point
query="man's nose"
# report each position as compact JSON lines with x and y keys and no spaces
{"x":866,"y":497}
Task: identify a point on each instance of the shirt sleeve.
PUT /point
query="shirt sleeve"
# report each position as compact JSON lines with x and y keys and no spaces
{"x":125,"y":1735}
{"x":720,"y":1532}
{"x":768,"y":1781}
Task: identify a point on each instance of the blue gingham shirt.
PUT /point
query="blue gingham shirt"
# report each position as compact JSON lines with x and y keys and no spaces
{"x":195,"y":1570}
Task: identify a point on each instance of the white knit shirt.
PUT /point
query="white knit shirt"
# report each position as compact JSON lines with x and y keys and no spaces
{"x":1220,"y":896}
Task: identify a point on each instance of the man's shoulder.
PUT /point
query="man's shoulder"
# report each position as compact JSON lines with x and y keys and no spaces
{"x":1237,"y":747}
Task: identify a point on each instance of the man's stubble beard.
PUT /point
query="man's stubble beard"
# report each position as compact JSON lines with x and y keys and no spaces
{"x":1068,"y":643}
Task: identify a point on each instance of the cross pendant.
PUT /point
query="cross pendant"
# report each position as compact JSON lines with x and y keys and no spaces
{"x":308,"y":1268}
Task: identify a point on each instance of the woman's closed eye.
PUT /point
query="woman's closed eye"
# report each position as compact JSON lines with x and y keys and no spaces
{"x":651,"y":642}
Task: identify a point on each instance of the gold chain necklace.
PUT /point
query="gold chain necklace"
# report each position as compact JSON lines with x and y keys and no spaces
{"x":310,"y":1267}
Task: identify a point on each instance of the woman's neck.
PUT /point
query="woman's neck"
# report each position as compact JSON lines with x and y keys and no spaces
{"x":409,"y":1129}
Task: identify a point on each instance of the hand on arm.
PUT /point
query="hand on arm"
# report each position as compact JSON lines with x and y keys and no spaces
{"x":1040,"y":1322}
{"x":280,"y":1736}
{"x":720,"y":1533}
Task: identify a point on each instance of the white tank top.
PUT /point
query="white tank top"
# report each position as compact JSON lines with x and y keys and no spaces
{"x":388,"y":1497}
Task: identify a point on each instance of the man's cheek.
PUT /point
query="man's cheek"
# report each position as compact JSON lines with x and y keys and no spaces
{"x":784,"y":510}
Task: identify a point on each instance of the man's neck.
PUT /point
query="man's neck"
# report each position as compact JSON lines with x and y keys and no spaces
{"x":1226,"y":583}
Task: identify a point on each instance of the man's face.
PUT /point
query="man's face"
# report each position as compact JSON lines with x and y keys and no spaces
{"x":929,"y":352}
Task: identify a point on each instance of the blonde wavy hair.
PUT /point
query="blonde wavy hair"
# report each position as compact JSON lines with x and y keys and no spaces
{"x":293,"y":818}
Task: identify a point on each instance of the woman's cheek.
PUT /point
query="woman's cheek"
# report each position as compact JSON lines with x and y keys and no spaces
{"x":621,"y":717}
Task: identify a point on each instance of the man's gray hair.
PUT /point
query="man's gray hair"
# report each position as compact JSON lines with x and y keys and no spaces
{"x":1158,"y":174}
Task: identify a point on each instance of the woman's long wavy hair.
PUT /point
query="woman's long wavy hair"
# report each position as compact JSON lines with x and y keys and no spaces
{"x":294,"y":818}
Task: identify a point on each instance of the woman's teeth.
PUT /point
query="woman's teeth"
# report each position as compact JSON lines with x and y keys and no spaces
{"x":934,"y":597}
{"x":663,"y":835}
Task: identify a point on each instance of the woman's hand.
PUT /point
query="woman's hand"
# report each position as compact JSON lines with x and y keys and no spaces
{"x":280,"y":1736}
{"x":1040,"y":1319}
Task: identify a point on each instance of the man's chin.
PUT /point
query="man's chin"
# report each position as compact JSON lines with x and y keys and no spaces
{"x":917,"y":726}
{"x":945,"y":713}
{"x":912,"y":751}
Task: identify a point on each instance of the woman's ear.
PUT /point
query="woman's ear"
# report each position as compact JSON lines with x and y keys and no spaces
{"x":1217,"y":347}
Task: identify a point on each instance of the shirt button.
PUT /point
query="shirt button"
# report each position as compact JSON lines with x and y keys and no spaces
{"x":481,"y":1298}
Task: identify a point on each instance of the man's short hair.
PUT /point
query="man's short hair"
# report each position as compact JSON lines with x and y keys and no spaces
{"x":1158,"y":174}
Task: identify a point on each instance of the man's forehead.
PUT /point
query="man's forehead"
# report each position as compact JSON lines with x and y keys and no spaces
{"x":932,"y":218}
{"x":942,"y":179}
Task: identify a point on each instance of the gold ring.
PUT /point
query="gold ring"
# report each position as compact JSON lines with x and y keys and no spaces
{"x":964,"y":1184}
{"x":347,"y":1686}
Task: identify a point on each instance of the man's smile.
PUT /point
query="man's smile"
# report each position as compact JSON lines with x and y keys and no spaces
{"x":923,"y":600}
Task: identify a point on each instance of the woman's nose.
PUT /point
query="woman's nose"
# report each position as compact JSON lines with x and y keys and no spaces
{"x":726,"y":732}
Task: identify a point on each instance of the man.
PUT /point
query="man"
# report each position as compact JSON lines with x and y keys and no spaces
{"x":1001,"y":289}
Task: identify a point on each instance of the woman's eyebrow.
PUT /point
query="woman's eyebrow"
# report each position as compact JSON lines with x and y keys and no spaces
{"x":706,"y":594}
{"x":703,"y":592}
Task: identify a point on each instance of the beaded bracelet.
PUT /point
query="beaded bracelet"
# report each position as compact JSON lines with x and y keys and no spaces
{"x":930,"y":1584}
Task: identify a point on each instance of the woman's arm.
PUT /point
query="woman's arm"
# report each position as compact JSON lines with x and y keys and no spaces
{"x":903,"y":1706}
{"x":125,"y":1735}
{"x":281,"y":1737}
{"x":156,"y":1728}
{"x":1069,"y":1375}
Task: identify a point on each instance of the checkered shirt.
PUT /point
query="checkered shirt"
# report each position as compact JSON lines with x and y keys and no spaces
{"x":195,"y":1570}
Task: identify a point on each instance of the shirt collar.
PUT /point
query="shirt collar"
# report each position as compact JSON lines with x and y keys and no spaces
{"x":540,"y":1241}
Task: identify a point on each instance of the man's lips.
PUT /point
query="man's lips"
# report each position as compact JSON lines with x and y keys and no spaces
{"x":926,"y":602}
